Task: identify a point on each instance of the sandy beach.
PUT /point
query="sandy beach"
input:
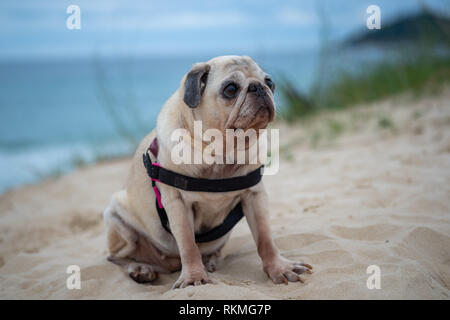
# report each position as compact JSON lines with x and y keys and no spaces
{"x":372,"y":190}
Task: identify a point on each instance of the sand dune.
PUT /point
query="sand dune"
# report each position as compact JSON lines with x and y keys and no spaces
{"x":372,"y":196}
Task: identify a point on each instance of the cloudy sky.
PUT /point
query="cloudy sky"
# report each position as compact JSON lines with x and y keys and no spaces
{"x":37,"y":28}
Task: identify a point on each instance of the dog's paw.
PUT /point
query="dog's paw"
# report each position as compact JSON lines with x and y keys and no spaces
{"x":141,"y":272}
{"x":283,"y":270}
{"x":194,"y":277}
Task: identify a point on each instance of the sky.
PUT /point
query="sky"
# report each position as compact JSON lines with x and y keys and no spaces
{"x":37,"y":28}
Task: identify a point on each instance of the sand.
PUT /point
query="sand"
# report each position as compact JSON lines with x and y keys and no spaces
{"x":367,"y":186}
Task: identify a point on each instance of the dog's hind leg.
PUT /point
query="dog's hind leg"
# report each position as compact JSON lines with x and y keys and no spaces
{"x":121,"y":239}
{"x":122,"y":244}
{"x":133,"y":251}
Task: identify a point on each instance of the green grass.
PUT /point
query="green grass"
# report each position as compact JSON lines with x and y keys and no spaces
{"x":385,"y":123}
{"x":417,"y":75}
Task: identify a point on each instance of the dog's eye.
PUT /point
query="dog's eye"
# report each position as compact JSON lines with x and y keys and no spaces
{"x":230,"y":90}
{"x":270,"y":84}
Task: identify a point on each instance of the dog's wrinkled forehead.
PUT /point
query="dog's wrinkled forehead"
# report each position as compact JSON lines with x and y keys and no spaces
{"x":226,"y":65}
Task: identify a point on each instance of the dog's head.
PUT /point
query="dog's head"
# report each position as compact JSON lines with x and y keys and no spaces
{"x":229,"y":92}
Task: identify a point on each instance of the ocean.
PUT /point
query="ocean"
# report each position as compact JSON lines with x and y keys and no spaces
{"x":56,"y":115}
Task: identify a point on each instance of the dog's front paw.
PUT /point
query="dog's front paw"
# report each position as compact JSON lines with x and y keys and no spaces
{"x":283,"y":270}
{"x":195,"y":277}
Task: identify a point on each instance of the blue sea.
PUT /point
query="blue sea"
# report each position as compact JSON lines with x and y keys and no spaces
{"x":58,"y":114}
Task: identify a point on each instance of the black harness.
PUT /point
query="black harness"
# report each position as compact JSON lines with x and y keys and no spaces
{"x":159,"y":174}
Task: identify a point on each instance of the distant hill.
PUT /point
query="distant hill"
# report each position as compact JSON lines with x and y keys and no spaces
{"x":422,"y":26}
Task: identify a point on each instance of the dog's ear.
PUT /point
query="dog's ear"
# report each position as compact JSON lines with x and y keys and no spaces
{"x":195,"y":84}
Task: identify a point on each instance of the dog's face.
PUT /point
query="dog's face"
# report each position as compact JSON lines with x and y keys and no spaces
{"x":229,"y":92}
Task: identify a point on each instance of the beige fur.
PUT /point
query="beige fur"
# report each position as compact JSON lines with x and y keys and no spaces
{"x":136,"y":239}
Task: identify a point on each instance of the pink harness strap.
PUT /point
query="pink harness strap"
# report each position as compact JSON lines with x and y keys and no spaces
{"x":154,"y":147}
{"x":158,"y":197}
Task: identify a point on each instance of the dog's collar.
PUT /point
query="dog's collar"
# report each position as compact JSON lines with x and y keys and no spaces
{"x":186,"y":183}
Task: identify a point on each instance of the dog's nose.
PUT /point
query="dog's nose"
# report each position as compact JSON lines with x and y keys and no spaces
{"x":257,"y":88}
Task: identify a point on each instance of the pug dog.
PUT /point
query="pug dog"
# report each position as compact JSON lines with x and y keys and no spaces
{"x":227,"y":92}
